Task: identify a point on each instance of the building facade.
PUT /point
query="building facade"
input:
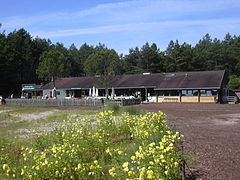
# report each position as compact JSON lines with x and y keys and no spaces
{"x":197,"y":87}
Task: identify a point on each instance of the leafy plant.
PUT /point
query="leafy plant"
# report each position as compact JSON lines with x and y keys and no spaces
{"x":108,"y":147}
{"x":118,"y":109}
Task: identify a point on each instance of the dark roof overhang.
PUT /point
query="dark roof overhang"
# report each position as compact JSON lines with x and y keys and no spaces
{"x":193,"y":88}
{"x":137,"y":87}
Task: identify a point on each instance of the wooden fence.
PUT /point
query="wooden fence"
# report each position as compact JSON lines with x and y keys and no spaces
{"x":55,"y":102}
{"x":68,"y":102}
{"x":128,"y":102}
{"x":125,"y":102}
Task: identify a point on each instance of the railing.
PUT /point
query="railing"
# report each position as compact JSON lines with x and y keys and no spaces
{"x":68,"y":102}
{"x":55,"y":102}
{"x":125,"y":102}
{"x":128,"y":102}
{"x":231,"y":99}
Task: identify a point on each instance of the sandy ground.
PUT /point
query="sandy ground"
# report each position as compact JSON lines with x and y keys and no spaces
{"x":42,"y":127}
{"x":32,"y":117}
{"x":25,"y":117}
{"x":212,"y":137}
{"x":4,"y":111}
{"x":35,"y":116}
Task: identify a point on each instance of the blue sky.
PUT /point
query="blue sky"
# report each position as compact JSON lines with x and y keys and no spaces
{"x":122,"y":24}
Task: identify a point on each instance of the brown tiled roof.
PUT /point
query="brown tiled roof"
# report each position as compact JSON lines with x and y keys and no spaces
{"x":138,"y":80}
{"x":72,"y":82}
{"x":178,"y":80}
{"x":192,"y":80}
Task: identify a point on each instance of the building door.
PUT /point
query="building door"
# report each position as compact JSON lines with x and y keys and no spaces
{"x":77,"y":93}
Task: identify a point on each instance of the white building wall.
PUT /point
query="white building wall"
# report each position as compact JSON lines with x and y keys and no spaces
{"x":61,"y":94}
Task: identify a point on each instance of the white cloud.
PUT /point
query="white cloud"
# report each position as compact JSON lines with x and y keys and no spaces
{"x":130,"y":23}
{"x":138,"y":27}
{"x":126,"y":12}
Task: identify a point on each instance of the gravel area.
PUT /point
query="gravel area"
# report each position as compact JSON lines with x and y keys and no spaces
{"x":212,"y":136}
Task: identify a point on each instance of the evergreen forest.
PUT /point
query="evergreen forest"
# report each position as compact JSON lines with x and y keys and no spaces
{"x":23,"y":58}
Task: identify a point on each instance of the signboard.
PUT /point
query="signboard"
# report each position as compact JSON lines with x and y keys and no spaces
{"x":28,"y":86}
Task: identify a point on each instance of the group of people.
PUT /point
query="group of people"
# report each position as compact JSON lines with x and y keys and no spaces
{"x":49,"y":96}
{"x":2,"y":101}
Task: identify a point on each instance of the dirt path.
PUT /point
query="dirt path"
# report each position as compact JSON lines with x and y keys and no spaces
{"x":35,"y":116}
{"x":4,"y":111}
{"x":212,"y":136}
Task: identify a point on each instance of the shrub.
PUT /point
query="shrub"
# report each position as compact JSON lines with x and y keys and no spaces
{"x":118,"y":109}
{"x":113,"y":106}
{"x":130,"y":146}
{"x":132,"y":110}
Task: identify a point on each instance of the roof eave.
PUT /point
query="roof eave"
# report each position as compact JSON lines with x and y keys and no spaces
{"x":137,"y":87}
{"x":187,"y":88}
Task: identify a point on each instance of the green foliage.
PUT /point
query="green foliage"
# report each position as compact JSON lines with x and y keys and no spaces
{"x":103,"y":64}
{"x":117,"y":109}
{"x":132,"y":110}
{"x":21,"y":59}
{"x":147,"y":59}
{"x":178,"y":57}
{"x":113,"y":106}
{"x":133,"y":147}
{"x":234,"y":82}
{"x":52,"y":64}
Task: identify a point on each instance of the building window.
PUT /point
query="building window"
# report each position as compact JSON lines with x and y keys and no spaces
{"x":189,"y":93}
{"x":166,"y":93}
{"x":161,"y":93}
{"x":195,"y":92}
{"x":151,"y":92}
{"x":208,"y":92}
{"x":171,"y":93}
{"x":184,"y":92}
{"x":174,"y":93}
{"x":214,"y":92}
{"x":203,"y":92}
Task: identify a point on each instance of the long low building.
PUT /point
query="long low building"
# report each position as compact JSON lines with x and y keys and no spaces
{"x":198,"y":86}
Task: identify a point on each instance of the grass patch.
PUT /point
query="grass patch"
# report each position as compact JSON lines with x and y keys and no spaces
{"x":117,"y":109}
{"x":29,"y":109}
{"x":60,"y":116}
{"x":24,"y":109}
{"x":3,"y":107}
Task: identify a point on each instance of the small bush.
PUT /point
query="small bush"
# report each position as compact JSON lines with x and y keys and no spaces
{"x":118,"y":110}
{"x":132,"y":110}
{"x":110,"y":147}
{"x":113,"y":106}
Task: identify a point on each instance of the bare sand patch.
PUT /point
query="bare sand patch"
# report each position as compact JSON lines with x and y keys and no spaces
{"x":4,"y":111}
{"x":41,"y":128}
{"x":35,"y":116}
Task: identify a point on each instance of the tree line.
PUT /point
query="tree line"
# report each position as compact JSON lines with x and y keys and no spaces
{"x":25,"y":60}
